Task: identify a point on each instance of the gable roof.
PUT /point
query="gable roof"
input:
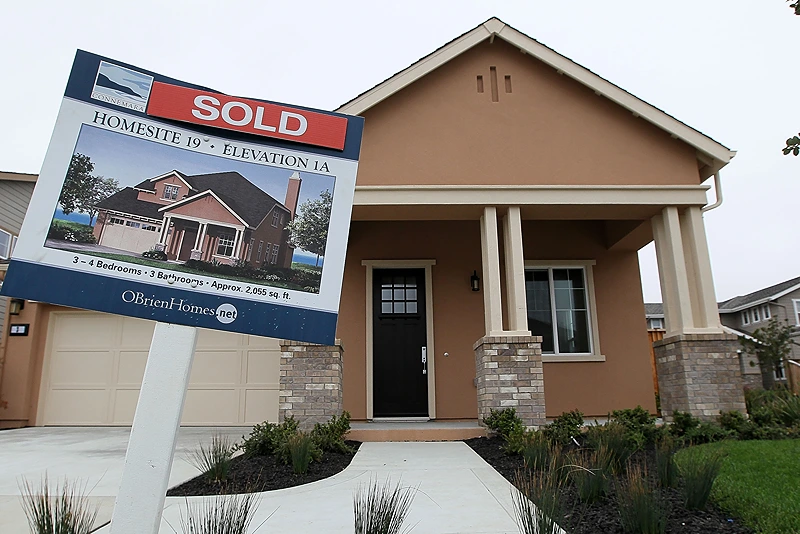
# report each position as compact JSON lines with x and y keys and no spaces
{"x":710,"y":153}
{"x":127,"y":201}
{"x":241,"y":196}
{"x":759,"y":297}
{"x":207,"y":192}
{"x":653,"y":310}
{"x":18,"y":176}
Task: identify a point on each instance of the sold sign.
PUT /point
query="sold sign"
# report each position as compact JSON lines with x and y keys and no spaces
{"x":249,"y":116}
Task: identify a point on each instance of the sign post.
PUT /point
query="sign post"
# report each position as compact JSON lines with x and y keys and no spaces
{"x":162,"y":200}
{"x":151,"y":447}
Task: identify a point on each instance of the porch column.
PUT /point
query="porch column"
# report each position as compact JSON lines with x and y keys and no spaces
{"x":515,"y":274}
{"x":490,"y":260}
{"x":672,"y":272}
{"x":162,"y":240}
{"x":237,"y":249}
{"x":199,"y":239}
{"x":698,"y":265}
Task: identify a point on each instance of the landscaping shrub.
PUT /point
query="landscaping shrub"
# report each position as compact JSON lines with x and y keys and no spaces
{"x":616,"y":439}
{"x":537,"y":500}
{"x":270,"y":273}
{"x":155,"y":255}
{"x":64,"y":511}
{"x":640,"y":425}
{"x":536,"y":450}
{"x":666,"y":468}
{"x":565,"y":427}
{"x":589,"y":472}
{"x":381,"y":508}
{"x":71,"y":231}
{"x":267,"y":438}
{"x":789,"y":410}
{"x":330,"y":436}
{"x":224,"y":514}
{"x":699,"y":469}
{"x":640,"y":507}
{"x":707,"y":432}
{"x":505,"y":422}
{"x":301,"y":451}
{"x":683,"y":422}
{"x":214,"y":461}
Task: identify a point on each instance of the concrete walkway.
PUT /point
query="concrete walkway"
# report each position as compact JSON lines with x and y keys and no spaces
{"x":458,"y":491}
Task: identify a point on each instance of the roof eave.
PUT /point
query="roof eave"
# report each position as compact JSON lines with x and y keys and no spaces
{"x":712,"y":154}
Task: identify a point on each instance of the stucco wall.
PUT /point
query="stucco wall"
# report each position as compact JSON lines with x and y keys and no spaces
{"x":548,"y":130}
{"x":622,"y":381}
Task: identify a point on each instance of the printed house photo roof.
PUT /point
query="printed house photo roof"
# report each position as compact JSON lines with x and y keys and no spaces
{"x":240,"y":194}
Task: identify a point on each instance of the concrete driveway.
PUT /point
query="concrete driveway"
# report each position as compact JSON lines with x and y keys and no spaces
{"x":95,"y":456}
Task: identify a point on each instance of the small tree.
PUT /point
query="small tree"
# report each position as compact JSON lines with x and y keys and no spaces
{"x":101,"y":189}
{"x":771,"y":344}
{"x":82,"y":191}
{"x":309,"y":230}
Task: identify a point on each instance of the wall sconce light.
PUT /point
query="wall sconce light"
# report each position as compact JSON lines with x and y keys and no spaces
{"x":15,"y":306}
{"x":475,"y":281}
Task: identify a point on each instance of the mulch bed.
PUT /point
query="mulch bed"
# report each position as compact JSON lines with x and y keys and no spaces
{"x":603,"y":516}
{"x":265,"y":473}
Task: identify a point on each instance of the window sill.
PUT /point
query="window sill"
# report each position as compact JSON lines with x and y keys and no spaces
{"x":565,"y":358}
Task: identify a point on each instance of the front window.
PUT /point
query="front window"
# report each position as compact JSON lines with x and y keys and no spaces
{"x":780,"y":371}
{"x":225,"y":245}
{"x":275,"y":253}
{"x":558,"y":309}
{"x":756,"y":315}
{"x":796,"y":312}
{"x":275,"y":218}
{"x":250,"y":248}
{"x":171,"y":192}
{"x":656,"y":324}
{"x":765,"y":312}
{"x":745,"y":318}
{"x":260,"y":248}
{"x":5,"y":244}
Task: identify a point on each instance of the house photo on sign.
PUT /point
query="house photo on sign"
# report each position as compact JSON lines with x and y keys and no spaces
{"x":163,"y":200}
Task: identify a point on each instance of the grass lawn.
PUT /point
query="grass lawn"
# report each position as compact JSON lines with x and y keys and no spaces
{"x":183,"y":269}
{"x":760,"y":483}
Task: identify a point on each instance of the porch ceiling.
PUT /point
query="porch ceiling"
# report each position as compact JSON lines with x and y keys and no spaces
{"x":444,"y":212}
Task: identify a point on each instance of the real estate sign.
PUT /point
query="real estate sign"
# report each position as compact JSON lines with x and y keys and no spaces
{"x":163,"y":200}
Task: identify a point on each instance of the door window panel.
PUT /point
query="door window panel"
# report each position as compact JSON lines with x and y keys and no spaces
{"x":399,"y":295}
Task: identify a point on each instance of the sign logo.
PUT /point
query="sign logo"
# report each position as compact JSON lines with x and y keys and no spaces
{"x":122,"y":87}
{"x":226,"y":313}
{"x":245,"y":115}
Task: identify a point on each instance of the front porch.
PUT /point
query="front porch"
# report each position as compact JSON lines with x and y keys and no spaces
{"x":557,"y":321}
{"x":184,"y":239}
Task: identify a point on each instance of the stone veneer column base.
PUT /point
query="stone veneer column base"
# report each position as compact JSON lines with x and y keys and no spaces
{"x":310,"y":382}
{"x":700,"y":374}
{"x":509,"y":374}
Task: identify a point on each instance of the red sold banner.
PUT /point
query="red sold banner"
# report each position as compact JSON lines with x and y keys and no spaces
{"x":244,"y":115}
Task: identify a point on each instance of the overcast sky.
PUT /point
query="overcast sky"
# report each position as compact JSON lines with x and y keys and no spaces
{"x":727,"y":68}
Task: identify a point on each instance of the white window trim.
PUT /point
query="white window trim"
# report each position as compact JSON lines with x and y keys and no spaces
{"x":768,"y":315}
{"x":177,"y":192}
{"x":6,"y":254}
{"x":779,"y":366}
{"x":745,"y":317}
{"x":755,"y":312}
{"x":660,"y":323}
{"x":219,"y":243}
{"x":596,"y":354}
{"x":796,"y":303}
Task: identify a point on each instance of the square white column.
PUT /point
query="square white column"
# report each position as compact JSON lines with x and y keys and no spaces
{"x":698,"y":267}
{"x":515,"y":273}
{"x":672,"y":272}
{"x":490,"y":259}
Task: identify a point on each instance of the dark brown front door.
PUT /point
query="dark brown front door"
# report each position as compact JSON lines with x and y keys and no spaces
{"x":400,"y":380}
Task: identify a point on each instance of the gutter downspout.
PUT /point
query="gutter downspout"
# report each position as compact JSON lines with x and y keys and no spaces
{"x":718,"y":191}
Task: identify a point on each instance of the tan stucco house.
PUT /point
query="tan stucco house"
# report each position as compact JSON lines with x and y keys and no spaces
{"x":503,"y":193}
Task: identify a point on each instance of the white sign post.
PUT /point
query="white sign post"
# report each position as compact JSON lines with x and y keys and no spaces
{"x":148,"y":462}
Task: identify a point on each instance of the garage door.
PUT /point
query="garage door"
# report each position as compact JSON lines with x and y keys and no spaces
{"x":95,"y":363}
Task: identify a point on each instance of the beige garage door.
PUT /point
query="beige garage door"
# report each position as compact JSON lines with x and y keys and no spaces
{"x":95,"y":363}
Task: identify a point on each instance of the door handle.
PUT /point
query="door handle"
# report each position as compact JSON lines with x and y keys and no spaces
{"x":424,"y":360}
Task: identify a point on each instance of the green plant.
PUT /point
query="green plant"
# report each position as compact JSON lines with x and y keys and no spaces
{"x":666,"y":468}
{"x":536,"y":450}
{"x":683,"y":422}
{"x":707,"y":432}
{"x":565,"y":428}
{"x":301,"y":451}
{"x":589,"y":472}
{"x":155,"y":255}
{"x":699,"y":469}
{"x":330,"y":436}
{"x":71,"y":231}
{"x":616,"y":439}
{"x":224,"y":514}
{"x":789,"y":410}
{"x":641,"y":509}
{"x":214,"y":460}
{"x":65,"y":510}
{"x":733,"y":420}
{"x":536,"y":498}
{"x":267,"y":438}
{"x":770,"y":344}
{"x":381,"y":508}
{"x":639,"y":424}
{"x":505,"y":422}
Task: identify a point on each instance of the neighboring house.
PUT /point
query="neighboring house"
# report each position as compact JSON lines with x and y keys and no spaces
{"x":744,"y":314}
{"x":478,"y":223}
{"x":220,"y":217}
{"x":15,"y":193}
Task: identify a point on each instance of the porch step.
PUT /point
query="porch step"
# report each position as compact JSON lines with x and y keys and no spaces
{"x":415,"y":431}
